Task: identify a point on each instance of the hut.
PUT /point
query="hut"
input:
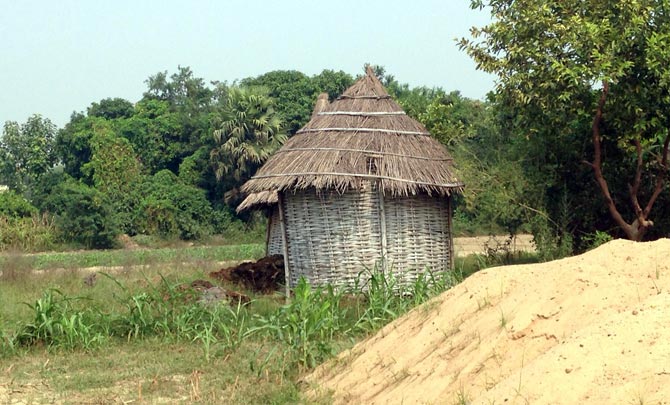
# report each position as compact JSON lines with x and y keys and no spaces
{"x":361,"y":186}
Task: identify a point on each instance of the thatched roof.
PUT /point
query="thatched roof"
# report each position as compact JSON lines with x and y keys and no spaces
{"x":363,"y":135}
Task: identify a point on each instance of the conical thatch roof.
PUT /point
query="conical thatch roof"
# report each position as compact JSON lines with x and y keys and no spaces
{"x":363,"y":135}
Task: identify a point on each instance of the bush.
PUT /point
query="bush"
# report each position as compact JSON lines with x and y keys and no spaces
{"x":13,"y":205}
{"x":83,"y":215}
{"x":171,"y":208}
{"x":596,"y":239}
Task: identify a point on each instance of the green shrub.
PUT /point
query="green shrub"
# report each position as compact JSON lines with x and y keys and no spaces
{"x":83,"y":215}
{"x":172,"y":208}
{"x":13,"y":205}
{"x":596,"y":239}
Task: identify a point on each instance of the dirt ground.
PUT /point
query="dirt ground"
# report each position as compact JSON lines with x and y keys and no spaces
{"x":590,"y":329}
{"x":464,"y":246}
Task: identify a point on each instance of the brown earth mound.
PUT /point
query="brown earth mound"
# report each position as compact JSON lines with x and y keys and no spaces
{"x":264,"y":275}
{"x":590,"y":329}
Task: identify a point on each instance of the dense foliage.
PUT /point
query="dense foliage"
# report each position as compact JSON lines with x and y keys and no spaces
{"x":587,"y":85}
{"x":579,"y":116}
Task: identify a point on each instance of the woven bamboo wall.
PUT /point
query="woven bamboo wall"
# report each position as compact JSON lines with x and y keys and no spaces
{"x":332,"y":237}
{"x":417,"y":234}
{"x":275,"y":240}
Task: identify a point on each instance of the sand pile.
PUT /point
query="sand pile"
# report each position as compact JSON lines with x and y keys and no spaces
{"x":593,"y":328}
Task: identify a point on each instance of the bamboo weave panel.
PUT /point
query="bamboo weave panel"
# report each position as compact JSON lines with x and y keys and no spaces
{"x":417,"y":230}
{"x":332,"y":237}
{"x":275,"y":242}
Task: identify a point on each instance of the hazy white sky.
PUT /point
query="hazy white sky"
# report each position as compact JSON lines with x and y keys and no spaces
{"x":59,"y":56}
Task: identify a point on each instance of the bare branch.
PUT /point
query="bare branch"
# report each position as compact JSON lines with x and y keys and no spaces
{"x":660,"y":179}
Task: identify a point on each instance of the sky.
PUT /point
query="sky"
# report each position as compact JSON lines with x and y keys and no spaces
{"x":57,"y":57}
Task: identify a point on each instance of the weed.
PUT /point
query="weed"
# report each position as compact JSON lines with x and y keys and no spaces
{"x":57,"y":323}
{"x":483,"y":303}
{"x":205,"y":334}
{"x":7,"y":344}
{"x":109,"y":258}
{"x":462,"y":397}
{"x":144,"y":315}
{"x":308,"y":324}
{"x":503,"y":320}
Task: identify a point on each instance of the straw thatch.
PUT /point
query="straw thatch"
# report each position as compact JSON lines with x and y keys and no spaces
{"x":363,"y":135}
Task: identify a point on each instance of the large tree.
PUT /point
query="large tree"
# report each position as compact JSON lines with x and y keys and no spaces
{"x":26,"y":152}
{"x":248,"y":131}
{"x":295,"y":93}
{"x":606,"y":63}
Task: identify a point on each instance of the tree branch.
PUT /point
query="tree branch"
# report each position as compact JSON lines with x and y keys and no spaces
{"x":661,"y":177}
{"x":635,"y":188}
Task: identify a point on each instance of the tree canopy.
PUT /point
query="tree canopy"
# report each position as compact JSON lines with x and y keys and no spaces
{"x":26,"y":152}
{"x":594,"y":70}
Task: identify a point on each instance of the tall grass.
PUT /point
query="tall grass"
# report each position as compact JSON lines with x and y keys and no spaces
{"x":30,"y":234}
{"x":58,"y":322}
{"x":308,"y":329}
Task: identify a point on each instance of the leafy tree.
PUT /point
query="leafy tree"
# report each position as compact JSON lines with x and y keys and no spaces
{"x":73,"y":144}
{"x":157,"y":134}
{"x":116,"y":172}
{"x":26,"y":152}
{"x":111,"y":108}
{"x":331,"y":82}
{"x":248,"y":131}
{"x":415,"y":101}
{"x":565,"y":65}
{"x":451,"y":117}
{"x":182,"y":90}
{"x":171,"y":208}
{"x":293,"y":92}
{"x":183,"y":103}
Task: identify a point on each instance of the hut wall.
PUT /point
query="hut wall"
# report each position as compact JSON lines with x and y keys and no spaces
{"x":332,"y":237}
{"x":274,"y":246}
{"x":418,"y":235}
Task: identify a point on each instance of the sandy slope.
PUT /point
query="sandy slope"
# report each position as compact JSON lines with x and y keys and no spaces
{"x":593,"y":328}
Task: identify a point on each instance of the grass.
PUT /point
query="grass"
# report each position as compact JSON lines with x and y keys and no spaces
{"x":109,"y":258}
{"x":137,"y":336}
{"x":503,"y":320}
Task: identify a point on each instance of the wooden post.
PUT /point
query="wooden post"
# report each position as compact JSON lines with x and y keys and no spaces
{"x":451,"y":235}
{"x":382,"y":223}
{"x":282,"y":223}
{"x":267,"y":231}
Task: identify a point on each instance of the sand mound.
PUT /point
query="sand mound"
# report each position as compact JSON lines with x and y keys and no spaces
{"x":593,"y":328}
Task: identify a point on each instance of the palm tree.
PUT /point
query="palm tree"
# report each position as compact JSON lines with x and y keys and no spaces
{"x":247,"y":132}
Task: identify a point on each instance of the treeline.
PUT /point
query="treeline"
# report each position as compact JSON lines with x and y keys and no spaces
{"x":168,"y":165}
{"x":171,"y":164}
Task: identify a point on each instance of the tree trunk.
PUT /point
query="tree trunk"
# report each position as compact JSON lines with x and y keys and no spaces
{"x":636,"y":230}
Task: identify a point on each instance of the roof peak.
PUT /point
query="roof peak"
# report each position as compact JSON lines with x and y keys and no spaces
{"x":367,"y":86}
